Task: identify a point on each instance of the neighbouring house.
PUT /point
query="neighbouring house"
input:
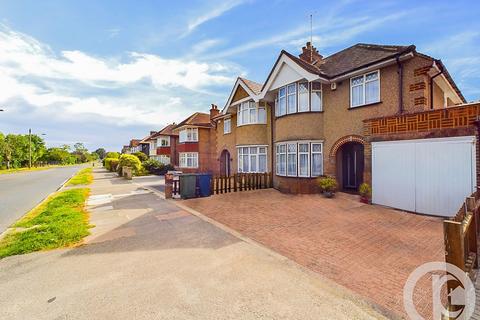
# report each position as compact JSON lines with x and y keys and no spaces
{"x":163,"y":145}
{"x":196,"y":142}
{"x":133,"y":146}
{"x":310,"y":117}
{"x":145,"y":144}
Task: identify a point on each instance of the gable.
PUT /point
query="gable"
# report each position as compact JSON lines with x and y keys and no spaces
{"x":240,"y":93}
{"x":285,"y":75}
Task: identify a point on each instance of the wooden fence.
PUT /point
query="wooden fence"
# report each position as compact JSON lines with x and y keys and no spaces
{"x":241,"y":182}
{"x":460,"y":236}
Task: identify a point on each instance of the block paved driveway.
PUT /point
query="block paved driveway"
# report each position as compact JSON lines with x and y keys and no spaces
{"x":149,"y":259}
{"x":368,"y":249}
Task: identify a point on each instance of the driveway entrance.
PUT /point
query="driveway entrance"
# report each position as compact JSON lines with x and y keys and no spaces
{"x":369,"y":249}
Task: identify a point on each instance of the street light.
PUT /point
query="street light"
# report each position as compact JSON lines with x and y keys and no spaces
{"x":30,"y":147}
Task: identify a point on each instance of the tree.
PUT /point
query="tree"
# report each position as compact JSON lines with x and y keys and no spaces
{"x":101,"y":153}
{"x":114,"y":155}
{"x":141,"y":156}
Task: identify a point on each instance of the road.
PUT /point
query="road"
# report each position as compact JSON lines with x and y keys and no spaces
{"x":20,"y":192}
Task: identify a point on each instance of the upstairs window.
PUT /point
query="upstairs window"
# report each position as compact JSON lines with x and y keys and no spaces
{"x":299,"y":97}
{"x":227,"y":126}
{"x":365,"y":89}
{"x":188,"y":135}
{"x":164,"y":141}
{"x":250,"y":113}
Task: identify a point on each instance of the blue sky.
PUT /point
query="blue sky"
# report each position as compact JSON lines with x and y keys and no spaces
{"x":102,"y":72}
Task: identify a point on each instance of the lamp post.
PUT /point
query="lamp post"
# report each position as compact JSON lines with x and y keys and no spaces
{"x":30,"y":147}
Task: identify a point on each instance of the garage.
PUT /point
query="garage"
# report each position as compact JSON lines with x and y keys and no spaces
{"x":428,"y":176}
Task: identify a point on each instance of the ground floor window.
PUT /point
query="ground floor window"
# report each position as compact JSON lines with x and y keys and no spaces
{"x":164,"y":159}
{"x":299,"y":158}
{"x":252,"y":159}
{"x":188,"y":159}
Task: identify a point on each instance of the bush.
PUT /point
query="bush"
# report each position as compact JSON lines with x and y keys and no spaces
{"x":327,"y":184}
{"x":112,"y":155}
{"x":152,"y":165}
{"x":110,"y":164}
{"x":129,"y":160}
{"x":141,"y":156}
{"x":365,"y":190}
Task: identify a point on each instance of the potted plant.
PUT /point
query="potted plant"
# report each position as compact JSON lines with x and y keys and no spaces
{"x":365,"y":192}
{"x":328,"y":185}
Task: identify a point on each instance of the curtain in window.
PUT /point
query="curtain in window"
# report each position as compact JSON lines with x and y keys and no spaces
{"x":372,"y":88}
{"x":292,"y":98}
{"x":292,"y":159}
{"x":316,"y":101}
{"x":303,"y":159}
{"x":303,"y":96}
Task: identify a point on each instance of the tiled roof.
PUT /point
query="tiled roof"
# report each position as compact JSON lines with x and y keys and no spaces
{"x":197,"y":119}
{"x":252,"y":85}
{"x":134,"y":142}
{"x":168,"y":130}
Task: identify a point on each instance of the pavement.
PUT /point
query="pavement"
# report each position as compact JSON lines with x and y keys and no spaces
{"x":147,"y":258}
{"x":368,"y":249}
{"x":22,"y":191}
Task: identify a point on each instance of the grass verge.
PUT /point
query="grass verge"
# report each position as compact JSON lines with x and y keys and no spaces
{"x":60,"y":221}
{"x":85,"y":176}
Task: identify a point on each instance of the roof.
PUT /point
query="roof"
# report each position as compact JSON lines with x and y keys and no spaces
{"x":198,"y":119}
{"x":168,"y":130}
{"x":134,"y":142}
{"x":252,"y":85}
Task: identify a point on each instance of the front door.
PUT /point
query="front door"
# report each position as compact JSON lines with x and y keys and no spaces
{"x":225,"y":163}
{"x":352,"y":166}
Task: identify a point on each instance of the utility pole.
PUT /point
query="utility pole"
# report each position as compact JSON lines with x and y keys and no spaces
{"x":29,"y":148}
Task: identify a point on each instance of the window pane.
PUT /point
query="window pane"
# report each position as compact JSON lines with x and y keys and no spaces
{"x":253,"y":116}
{"x":303,"y":165}
{"x":357,"y":95}
{"x":303,"y":96}
{"x":262,"y":150}
{"x":245,"y":163}
{"x":371,"y":76}
{"x":244,"y":116}
{"x":292,"y":88}
{"x":282,"y":92}
{"x":316,"y":147}
{"x":283,"y":159}
{"x":303,"y":147}
{"x":245,"y":150}
{"x":292,"y":147}
{"x":253,"y":150}
{"x":240,"y":160}
{"x":282,"y":106}
{"x":316,"y":164}
{"x":316,"y":101}
{"x":292,"y":164}
{"x":292,"y":104}
{"x":372,"y":91}
{"x":253,"y":163}
{"x":262,"y":163}
{"x":316,"y":86}
{"x":357,"y":81}
{"x":262,"y":115}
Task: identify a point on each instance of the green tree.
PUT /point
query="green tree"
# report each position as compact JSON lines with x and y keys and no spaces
{"x":101,"y":153}
{"x":114,"y":155}
{"x":141,"y":156}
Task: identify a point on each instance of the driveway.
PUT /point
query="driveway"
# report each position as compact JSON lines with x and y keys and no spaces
{"x":149,"y":259}
{"x":21,"y":191}
{"x":370,"y":250}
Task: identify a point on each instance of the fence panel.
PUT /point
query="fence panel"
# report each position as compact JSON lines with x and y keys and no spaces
{"x":241,"y":182}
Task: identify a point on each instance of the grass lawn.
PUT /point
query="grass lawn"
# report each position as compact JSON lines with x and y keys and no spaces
{"x":85,"y":176}
{"x":5,"y":171}
{"x":59,"y":221}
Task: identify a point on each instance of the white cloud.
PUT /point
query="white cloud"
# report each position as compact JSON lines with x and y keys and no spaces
{"x":212,"y":13}
{"x":142,"y":89}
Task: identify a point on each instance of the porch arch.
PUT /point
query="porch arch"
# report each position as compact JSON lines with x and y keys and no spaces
{"x":343,"y":140}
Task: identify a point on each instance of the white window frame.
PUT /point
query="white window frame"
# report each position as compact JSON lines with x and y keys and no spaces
{"x":295,"y":154}
{"x":310,"y":90}
{"x":185,"y":156}
{"x":250,"y":108}
{"x":364,"y":89}
{"x":294,"y":94}
{"x":188,"y":135}
{"x":163,"y":158}
{"x":161,"y":140}
{"x":227,"y":128}
{"x":286,"y":153}
{"x":308,"y":96}
{"x":249,"y":155}
{"x":321,"y":97}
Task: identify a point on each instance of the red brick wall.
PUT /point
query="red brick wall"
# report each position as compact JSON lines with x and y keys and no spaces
{"x":163,"y":151}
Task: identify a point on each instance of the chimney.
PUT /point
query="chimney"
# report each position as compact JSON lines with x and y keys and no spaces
{"x":310,"y":54}
{"x":152,"y":132}
{"x":214,"y":111}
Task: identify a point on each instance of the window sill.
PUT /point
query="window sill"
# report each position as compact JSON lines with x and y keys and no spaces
{"x":188,"y":142}
{"x":251,"y":124}
{"x":296,"y":177}
{"x":225,"y":133}
{"x":301,"y":112}
{"x":365,"y":105}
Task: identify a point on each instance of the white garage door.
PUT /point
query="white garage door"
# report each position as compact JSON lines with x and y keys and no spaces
{"x":431,"y":176}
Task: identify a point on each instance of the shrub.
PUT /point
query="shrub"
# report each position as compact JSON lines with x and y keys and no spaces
{"x":129,"y":160}
{"x":112,"y":155}
{"x":114,"y":165}
{"x":365,"y":190}
{"x":327,"y":184}
{"x":141,"y":156}
{"x":152,"y":165}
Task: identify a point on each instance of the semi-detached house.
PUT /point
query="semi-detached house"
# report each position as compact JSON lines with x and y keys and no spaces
{"x":307,"y":119}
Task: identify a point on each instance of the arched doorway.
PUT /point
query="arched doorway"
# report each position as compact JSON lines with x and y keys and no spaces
{"x":225,"y":163}
{"x":350,"y":165}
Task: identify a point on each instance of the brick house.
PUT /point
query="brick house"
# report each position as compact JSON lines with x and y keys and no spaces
{"x":133,"y":146}
{"x":196,"y":142}
{"x":307,"y":118}
{"x":163,"y":145}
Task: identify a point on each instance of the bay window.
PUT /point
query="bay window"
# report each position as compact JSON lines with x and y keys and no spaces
{"x":188,"y":159}
{"x":365,"y":89}
{"x":299,"y":97}
{"x":250,"y":113}
{"x":188,"y":135}
{"x":252,"y":159}
{"x":227,"y":126}
{"x":299,"y":159}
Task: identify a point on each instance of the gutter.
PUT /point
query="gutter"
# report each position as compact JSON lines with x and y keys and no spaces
{"x":400,"y":85}
{"x":431,"y":82}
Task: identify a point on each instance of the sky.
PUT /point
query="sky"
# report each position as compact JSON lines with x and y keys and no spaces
{"x":104,"y":72}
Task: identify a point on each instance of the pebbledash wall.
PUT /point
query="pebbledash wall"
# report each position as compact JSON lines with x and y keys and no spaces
{"x":339,"y":124}
{"x":244,"y":135}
